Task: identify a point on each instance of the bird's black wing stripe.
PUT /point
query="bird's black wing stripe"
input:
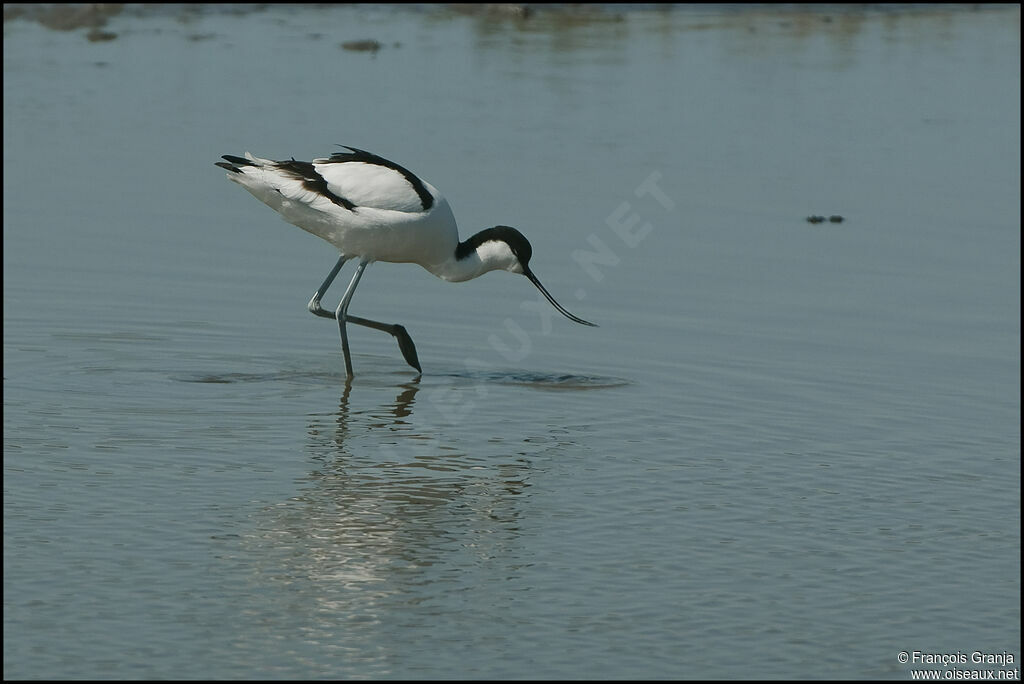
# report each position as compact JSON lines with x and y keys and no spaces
{"x":357,"y":155}
{"x":312,"y":181}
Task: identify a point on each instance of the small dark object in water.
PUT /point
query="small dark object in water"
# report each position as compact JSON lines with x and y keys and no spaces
{"x":361,"y":45}
{"x":815,"y":219}
{"x":99,"y":36}
{"x":835,"y":218}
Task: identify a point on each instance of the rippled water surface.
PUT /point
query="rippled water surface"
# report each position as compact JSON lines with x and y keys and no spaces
{"x":790,"y":450}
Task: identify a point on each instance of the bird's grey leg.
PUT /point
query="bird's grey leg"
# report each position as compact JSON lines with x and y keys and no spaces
{"x":341,"y":315}
{"x":405,"y":343}
{"x":314,"y":303}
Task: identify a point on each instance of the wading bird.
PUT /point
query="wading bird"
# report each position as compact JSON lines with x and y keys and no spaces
{"x":375,"y":210}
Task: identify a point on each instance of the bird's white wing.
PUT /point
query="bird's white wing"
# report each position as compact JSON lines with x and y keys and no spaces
{"x":341,"y":183}
{"x":372,"y":181}
{"x":366,"y":184}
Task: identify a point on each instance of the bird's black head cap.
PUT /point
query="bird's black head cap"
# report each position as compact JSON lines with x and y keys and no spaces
{"x":516,"y":241}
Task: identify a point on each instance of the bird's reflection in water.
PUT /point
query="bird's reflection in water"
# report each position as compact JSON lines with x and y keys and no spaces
{"x":396,"y":513}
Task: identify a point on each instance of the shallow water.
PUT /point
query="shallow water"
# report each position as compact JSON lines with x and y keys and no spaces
{"x":789,"y":450}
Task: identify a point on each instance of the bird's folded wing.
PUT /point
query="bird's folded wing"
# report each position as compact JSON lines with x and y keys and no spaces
{"x":367,"y":184}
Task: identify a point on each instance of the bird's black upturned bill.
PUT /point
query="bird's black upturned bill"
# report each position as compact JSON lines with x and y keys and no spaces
{"x":561,"y":309}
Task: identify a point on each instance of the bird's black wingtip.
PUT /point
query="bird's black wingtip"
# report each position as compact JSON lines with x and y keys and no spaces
{"x":234,"y":163}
